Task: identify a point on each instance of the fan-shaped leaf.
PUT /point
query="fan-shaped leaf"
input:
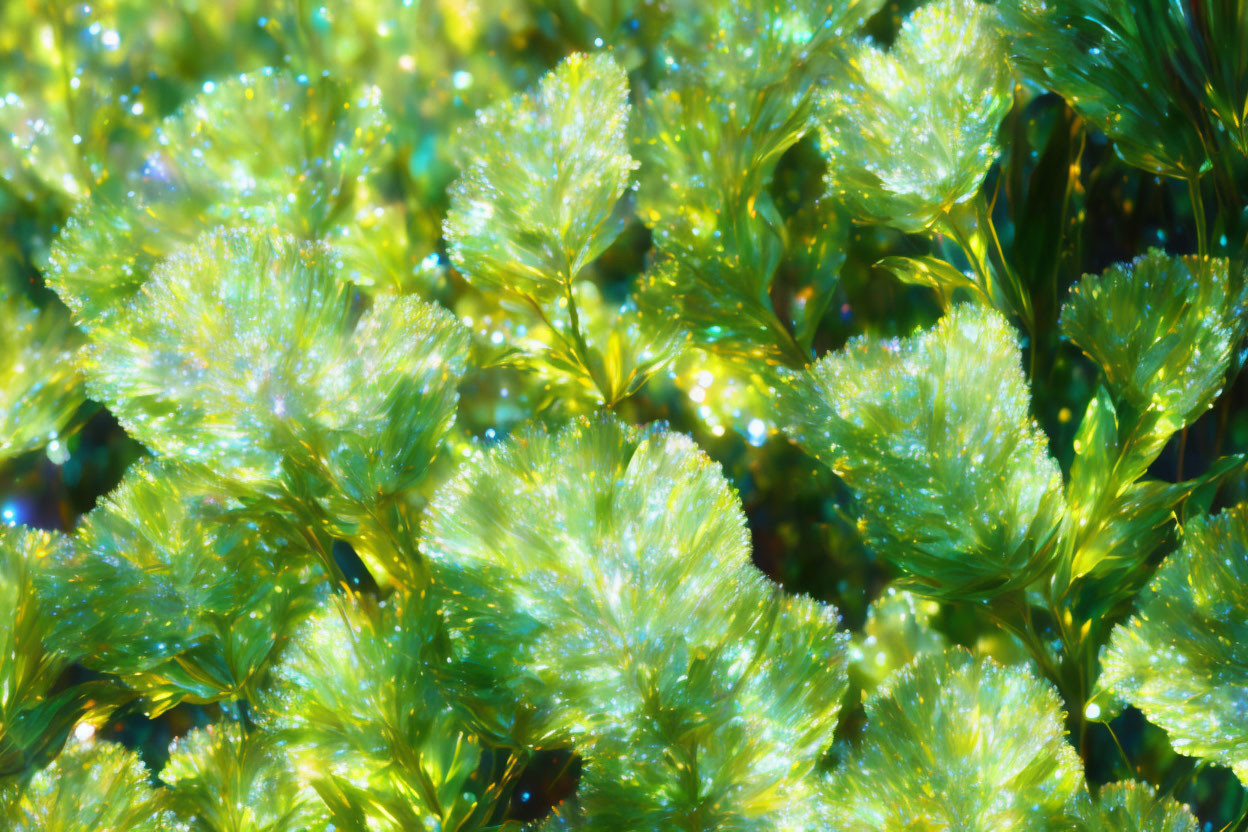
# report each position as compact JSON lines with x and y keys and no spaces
{"x":598,"y":588}
{"x":176,"y":591}
{"x":955,"y":742}
{"x":934,"y":434}
{"x":1181,"y":659}
{"x":224,"y":779}
{"x":912,"y":131}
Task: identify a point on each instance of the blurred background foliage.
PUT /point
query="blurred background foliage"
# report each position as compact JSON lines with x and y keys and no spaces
{"x":1063,"y":203}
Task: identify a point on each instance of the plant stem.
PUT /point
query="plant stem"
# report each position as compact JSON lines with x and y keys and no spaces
{"x":1198,"y":216}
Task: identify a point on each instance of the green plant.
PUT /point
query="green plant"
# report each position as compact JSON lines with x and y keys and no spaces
{"x":598,"y":414}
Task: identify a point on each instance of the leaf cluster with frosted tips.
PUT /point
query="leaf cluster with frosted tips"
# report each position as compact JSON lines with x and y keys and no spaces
{"x":34,"y":716}
{"x":598,"y":589}
{"x":90,"y":785}
{"x":358,"y":706}
{"x":245,"y":356}
{"x":1135,"y":807}
{"x":1180,"y":659}
{"x":1163,"y":330}
{"x":216,"y":162}
{"x":40,"y":386}
{"x":175,"y":591}
{"x":940,"y":91}
{"x":957,"y":742}
{"x":227,"y":778}
{"x":539,"y":199}
{"x":934,"y":434}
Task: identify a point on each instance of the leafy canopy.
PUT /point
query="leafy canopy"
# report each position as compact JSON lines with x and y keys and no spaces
{"x":35,"y":716}
{"x":934,"y":434}
{"x":246,"y":355}
{"x":264,"y":148}
{"x":224,"y":778}
{"x":911,"y":131}
{"x":182,"y":595}
{"x":1181,"y":658}
{"x":356,"y":703}
{"x":90,"y":785}
{"x":1163,"y":330}
{"x":598,"y":589}
{"x":957,"y":742}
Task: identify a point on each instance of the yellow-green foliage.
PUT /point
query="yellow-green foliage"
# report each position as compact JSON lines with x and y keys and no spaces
{"x":1180,"y":658}
{"x":598,"y":589}
{"x":935,"y":435}
{"x":955,"y":742}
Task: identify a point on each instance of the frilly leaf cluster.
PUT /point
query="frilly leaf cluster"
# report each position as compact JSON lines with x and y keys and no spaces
{"x":40,"y":386}
{"x":597,"y":588}
{"x":911,"y":131}
{"x":1163,"y":330}
{"x":955,"y":742}
{"x":934,"y":434}
{"x":225,"y":778}
{"x":246,"y":355}
{"x":177,"y":592}
{"x":357,"y":706}
{"x":1180,"y":658}
{"x":539,"y":200}
{"x":263,"y":148}
{"x":35,"y":717}
{"x":90,"y":785}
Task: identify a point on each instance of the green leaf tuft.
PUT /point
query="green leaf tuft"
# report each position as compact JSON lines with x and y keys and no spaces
{"x":955,"y":742}
{"x":934,"y":434}
{"x":1181,"y":659}
{"x":911,"y":131}
{"x":598,"y":589}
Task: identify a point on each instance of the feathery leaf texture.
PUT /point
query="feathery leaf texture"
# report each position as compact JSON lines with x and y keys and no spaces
{"x":40,"y":387}
{"x":542,"y":175}
{"x":1137,"y":71}
{"x":598,"y":589}
{"x":245,"y":355}
{"x":956,"y":742}
{"x":1181,"y":658}
{"x":1134,"y":807}
{"x":90,"y":786}
{"x":940,"y":92}
{"x":264,"y":149}
{"x":182,"y":595}
{"x":223,"y":778}
{"x":898,"y":631}
{"x":933,"y":432}
{"x":34,"y":717}
{"x":1163,"y":330}
{"x":357,"y":704}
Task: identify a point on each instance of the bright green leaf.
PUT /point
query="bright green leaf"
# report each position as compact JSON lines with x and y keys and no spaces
{"x":598,"y":588}
{"x":1134,"y":807}
{"x":1163,"y":330}
{"x":356,"y":702}
{"x":224,"y":779}
{"x":183,"y":596}
{"x":911,"y":131}
{"x":934,"y":434}
{"x":246,"y":356}
{"x":1181,"y":659}
{"x":264,"y":148}
{"x":90,"y":786}
{"x":34,"y":717}
{"x":955,"y":742}
{"x":542,"y":175}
